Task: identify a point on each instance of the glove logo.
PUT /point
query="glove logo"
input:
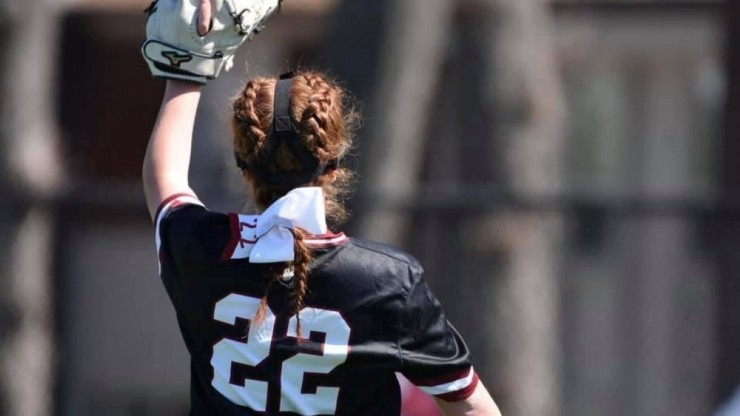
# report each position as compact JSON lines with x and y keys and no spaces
{"x":177,"y":59}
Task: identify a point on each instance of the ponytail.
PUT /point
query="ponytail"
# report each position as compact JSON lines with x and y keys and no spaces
{"x":325,"y":119}
{"x":297,"y":284}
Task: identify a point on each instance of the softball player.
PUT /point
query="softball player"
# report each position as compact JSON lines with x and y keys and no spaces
{"x":283,"y":314}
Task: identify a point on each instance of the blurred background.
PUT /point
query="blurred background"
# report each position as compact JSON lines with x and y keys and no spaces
{"x":565,"y":170}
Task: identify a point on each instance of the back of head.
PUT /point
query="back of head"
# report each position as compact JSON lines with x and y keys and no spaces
{"x":324,"y":119}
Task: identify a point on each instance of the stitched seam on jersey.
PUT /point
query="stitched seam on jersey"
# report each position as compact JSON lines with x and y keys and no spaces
{"x":404,"y":261}
{"x":401,"y":326}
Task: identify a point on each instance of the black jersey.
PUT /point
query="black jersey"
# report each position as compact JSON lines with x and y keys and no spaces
{"x":369,"y":314}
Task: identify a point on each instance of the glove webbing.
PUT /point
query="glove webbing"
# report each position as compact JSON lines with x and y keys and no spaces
{"x":238,"y":16}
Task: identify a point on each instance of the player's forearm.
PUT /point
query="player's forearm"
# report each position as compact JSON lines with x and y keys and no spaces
{"x":479,"y":403}
{"x":167,"y":160}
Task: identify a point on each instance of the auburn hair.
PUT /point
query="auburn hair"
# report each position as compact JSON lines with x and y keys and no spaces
{"x":325,"y":119}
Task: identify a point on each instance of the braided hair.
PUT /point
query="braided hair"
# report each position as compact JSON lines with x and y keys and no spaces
{"x":325,"y":120}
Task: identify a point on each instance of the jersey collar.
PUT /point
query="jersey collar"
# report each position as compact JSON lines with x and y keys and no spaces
{"x":328,"y":240}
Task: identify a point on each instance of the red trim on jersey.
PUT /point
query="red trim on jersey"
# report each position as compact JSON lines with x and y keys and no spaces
{"x":329,"y":240}
{"x":326,"y":236}
{"x":463,"y":394}
{"x":236,"y":236}
{"x":447,"y":378}
{"x":170,"y":199}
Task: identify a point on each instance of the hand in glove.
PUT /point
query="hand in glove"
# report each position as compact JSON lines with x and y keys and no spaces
{"x":183,"y":44}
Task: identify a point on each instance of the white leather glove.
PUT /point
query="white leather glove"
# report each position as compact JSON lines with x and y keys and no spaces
{"x":174,"y":50}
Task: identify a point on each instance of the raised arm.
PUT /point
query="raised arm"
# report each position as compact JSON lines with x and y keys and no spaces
{"x":167,"y":159}
{"x":479,"y":403}
{"x":174,"y":52}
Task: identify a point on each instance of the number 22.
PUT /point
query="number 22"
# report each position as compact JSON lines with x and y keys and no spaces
{"x":253,"y":393}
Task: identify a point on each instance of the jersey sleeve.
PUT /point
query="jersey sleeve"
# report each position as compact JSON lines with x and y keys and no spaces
{"x":189,"y":236}
{"x":434,"y":355}
{"x":175,"y":218}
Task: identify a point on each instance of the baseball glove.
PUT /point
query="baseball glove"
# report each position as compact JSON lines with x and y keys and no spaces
{"x":174,"y":50}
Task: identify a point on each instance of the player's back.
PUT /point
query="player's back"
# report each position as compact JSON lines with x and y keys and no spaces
{"x":367,"y":315}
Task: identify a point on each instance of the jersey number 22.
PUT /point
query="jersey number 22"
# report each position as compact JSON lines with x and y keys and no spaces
{"x":327,"y":326}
